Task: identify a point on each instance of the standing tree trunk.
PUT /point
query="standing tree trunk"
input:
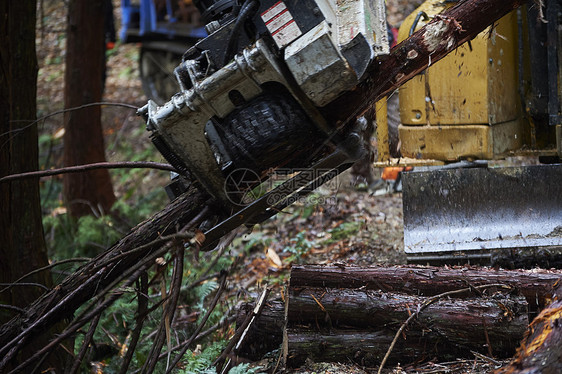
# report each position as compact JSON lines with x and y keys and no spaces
{"x":89,"y":192}
{"x":22,"y":247}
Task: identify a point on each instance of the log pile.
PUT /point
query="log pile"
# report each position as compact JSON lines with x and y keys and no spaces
{"x":336,"y":313}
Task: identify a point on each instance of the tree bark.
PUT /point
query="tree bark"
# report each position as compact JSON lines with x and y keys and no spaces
{"x":365,"y":348}
{"x":348,"y":312}
{"x":89,"y":192}
{"x":22,"y":247}
{"x":536,"y":285}
{"x":540,"y":351}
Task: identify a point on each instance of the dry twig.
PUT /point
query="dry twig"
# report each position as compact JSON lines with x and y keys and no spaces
{"x":203,"y":321}
{"x":142,"y":294}
{"x":82,"y":168}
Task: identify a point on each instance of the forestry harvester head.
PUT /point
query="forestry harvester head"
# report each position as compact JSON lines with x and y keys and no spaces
{"x":250,"y":92}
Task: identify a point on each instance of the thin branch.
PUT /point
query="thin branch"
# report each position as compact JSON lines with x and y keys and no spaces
{"x":225,"y":321}
{"x":203,"y":321}
{"x":8,"y":350}
{"x":77,"y":259}
{"x":177,"y":278}
{"x":12,"y":307}
{"x":85,"y":344}
{"x":162,"y":239}
{"x":224,"y":242}
{"x":427,"y":303}
{"x":141,"y":317}
{"x":183,"y":234}
{"x":201,"y":280}
{"x":107,"y":103}
{"x":84,"y":316}
{"x":33,"y":122}
{"x":144,"y":263}
{"x":239,"y":336}
{"x":82,"y":168}
{"x":196,"y":220}
{"x":486,"y":358}
{"x":168,"y":313}
{"x":26,"y":285}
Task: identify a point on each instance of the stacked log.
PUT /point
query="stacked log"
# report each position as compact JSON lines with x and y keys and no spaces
{"x":536,"y":285}
{"x":341,"y":313}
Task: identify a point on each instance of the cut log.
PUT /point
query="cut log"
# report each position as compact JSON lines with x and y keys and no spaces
{"x":365,"y":348}
{"x":469,"y":323}
{"x":448,"y":328}
{"x":364,"y":307}
{"x":536,"y":285}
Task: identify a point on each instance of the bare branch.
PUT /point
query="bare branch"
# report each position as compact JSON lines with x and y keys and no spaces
{"x":203,"y":321}
{"x":11,"y":307}
{"x":25,"y":285}
{"x":85,"y":344}
{"x":141,"y":316}
{"x":82,"y":168}
{"x":77,"y":259}
{"x":168,"y":314}
{"x":62,"y":111}
{"x":79,"y":322}
{"x":240,"y":334}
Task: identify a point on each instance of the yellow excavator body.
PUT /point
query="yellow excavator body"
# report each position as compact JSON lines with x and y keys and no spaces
{"x":466,"y":106}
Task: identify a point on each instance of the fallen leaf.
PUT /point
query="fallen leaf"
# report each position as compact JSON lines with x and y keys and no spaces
{"x":274,"y":257}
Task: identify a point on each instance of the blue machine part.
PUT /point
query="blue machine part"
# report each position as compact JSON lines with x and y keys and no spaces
{"x":141,"y":21}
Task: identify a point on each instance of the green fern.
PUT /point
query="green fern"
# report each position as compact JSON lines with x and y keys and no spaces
{"x":203,"y":291}
{"x":245,"y":369}
{"x":201,"y":363}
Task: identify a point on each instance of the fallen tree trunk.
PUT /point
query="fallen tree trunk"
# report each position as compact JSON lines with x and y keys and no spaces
{"x":536,"y":285}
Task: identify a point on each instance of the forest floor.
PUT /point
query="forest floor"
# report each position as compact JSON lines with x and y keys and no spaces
{"x":338,"y":224}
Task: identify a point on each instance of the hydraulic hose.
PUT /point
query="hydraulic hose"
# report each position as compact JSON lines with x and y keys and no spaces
{"x":246,"y":12}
